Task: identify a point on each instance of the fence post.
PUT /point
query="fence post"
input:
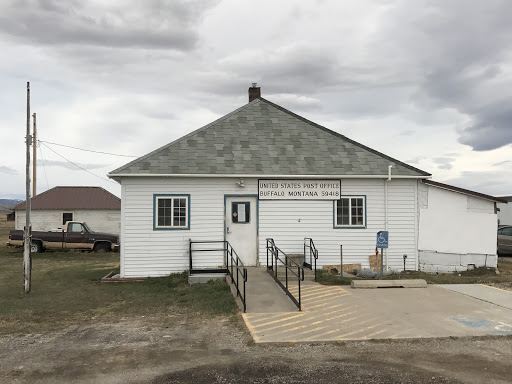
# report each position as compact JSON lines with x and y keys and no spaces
{"x":315,"y":256}
{"x":341,"y":261}
{"x":245,"y":279}
{"x":237,"y":273}
{"x":189,"y":256}
{"x":300,"y":297}
{"x":286,"y":268}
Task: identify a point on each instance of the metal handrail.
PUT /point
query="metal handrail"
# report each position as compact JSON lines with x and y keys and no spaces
{"x":272,"y":269}
{"x":313,"y":253}
{"x":191,"y":250}
{"x":235,"y":262}
{"x":233,"y":266}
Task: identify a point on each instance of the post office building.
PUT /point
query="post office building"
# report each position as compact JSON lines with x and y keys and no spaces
{"x":263,"y":172}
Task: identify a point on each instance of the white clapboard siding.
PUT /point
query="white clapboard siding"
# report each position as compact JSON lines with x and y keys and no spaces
{"x":99,"y":220}
{"x":402,"y":224}
{"x":289,"y":221}
{"x":146,"y":252}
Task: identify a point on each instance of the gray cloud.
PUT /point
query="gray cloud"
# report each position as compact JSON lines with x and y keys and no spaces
{"x":502,"y":163}
{"x":414,"y":160}
{"x":407,"y":132}
{"x":492,"y":128}
{"x":444,"y":162}
{"x":493,"y":183}
{"x":65,"y":164}
{"x":162,"y":24}
{"x":126,"y":77}
{"x":466,"y":66}
{"x":8,"y":170}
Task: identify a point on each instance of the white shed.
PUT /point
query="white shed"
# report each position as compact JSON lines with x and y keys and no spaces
{"x":100,"y":209}
{"x":264,"y":172}
{"x":458,"y":228}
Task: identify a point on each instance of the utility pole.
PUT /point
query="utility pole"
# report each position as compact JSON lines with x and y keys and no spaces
{"x":27,"y":260}
{"x":34,"y":155}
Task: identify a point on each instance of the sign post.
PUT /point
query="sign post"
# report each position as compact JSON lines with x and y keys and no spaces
{"x":382,"y":242}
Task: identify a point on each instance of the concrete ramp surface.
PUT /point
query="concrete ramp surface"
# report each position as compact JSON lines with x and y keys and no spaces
{"x":264,"y":295}
{"x":337,"y":313}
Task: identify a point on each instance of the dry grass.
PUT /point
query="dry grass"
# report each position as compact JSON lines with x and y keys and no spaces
{"x":66,"y":290}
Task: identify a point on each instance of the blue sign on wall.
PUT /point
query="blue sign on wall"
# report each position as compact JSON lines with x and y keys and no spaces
{"x":382,"y":239}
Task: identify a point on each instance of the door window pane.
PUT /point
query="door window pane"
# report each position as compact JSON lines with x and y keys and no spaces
{"x":240,"y":212}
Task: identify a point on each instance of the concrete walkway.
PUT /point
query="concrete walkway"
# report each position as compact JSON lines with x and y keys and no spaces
{"x":264,"y":295}
{"x":483,"y":292}
{"x":335,"y":313}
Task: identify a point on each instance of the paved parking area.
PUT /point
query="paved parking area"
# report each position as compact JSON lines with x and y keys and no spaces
{"x":334,"y":313}
{"x":497,"y":296}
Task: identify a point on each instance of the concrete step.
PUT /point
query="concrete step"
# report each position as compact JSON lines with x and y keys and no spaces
{"x":297,"y":257}
{"x":309,"y":275}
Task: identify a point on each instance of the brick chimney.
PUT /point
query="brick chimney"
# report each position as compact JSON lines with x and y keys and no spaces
{"x":254,"y":92}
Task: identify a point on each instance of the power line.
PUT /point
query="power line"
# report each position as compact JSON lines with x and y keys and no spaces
{"x":76,"y":165}
{"x":86,"y":150}
{"x":44,"y":168}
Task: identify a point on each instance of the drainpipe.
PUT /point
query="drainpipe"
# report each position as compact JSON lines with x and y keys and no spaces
{"x":386,"y":209}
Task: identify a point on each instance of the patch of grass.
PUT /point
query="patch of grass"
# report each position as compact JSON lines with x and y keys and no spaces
{"x":66,"y":290}
{"x":326,"y":278}
{"x":476,"y":276}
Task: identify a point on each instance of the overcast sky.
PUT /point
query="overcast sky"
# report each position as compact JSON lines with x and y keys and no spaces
{"x":426,"y":82}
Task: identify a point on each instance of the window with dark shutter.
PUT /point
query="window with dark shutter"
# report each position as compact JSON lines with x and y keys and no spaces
{"x":67,"y":216}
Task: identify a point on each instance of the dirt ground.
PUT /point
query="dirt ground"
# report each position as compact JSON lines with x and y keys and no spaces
{"x":220,"y":351}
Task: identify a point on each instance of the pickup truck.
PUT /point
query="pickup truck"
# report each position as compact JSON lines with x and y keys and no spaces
{"x":74,"y":235}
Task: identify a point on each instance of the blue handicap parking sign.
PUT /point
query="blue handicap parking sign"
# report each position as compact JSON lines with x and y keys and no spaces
{"x":382,"y":239}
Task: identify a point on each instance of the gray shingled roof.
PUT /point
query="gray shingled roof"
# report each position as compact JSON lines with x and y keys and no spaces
{"x":262,"y":138}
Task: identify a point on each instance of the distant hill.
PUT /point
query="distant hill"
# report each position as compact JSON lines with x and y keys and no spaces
{"x":9,"y":203}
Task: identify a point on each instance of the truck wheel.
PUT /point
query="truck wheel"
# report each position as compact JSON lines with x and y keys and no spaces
{"x":36,"y":247}
{"x":102,"y":247}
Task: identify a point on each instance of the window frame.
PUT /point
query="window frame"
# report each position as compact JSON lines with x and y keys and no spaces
{"x":156,"y":198}
{"x":349,"y":226}
{"x":75,"y":223}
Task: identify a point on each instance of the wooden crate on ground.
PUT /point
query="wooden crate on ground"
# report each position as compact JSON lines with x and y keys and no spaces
{"x":335,"y":269}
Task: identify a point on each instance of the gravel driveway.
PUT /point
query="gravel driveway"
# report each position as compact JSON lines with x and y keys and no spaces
{"x":221,"y":351}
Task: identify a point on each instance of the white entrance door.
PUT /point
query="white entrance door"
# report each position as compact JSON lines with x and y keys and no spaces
{"x":241,"y":227}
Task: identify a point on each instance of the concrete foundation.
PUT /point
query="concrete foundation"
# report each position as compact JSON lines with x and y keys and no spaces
{"x":436,"y":262}
{"x":205,"y":277}
{"x":412,"y":283}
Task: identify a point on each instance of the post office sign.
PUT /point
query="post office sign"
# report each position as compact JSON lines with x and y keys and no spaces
{"x":299,"y":189}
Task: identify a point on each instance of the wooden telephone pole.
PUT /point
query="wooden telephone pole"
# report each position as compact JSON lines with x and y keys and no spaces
{"x":34,"y":154}
{"x":27,"y":259}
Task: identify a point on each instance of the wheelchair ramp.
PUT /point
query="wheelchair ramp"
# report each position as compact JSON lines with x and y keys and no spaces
{"x":264,"y":295}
